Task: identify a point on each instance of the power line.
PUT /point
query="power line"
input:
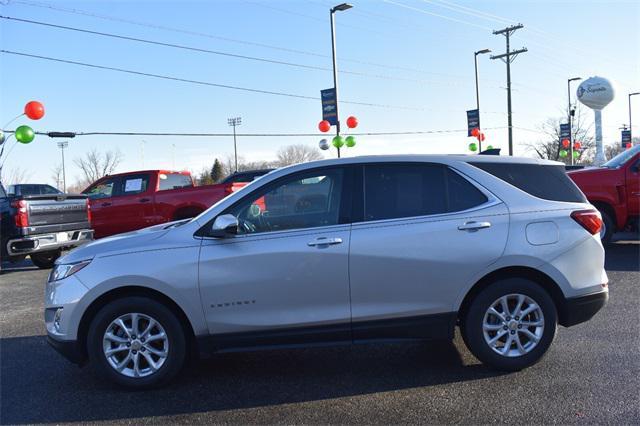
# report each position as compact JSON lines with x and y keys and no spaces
{"x":209,"y":51}
{"x":203,"y":83}
{"x":92,"y":133}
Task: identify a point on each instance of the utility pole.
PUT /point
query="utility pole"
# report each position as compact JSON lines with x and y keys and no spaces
{"x":339,"y":8}
{"x":508,"y":57}
{"x":570,"y":113}
{"x":62,"y":145}
{"x":475,"y":59}
{"x":630,"y":127}
{"x":236,"y":121}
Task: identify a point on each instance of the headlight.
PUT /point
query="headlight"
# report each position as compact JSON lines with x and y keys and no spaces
{"x":66,"y":270}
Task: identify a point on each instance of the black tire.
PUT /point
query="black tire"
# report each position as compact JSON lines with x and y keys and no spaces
{"x":46,"y":259}
{"x":609,"y":227}
{"x":160,"y":313}
{"x":472,"y":324}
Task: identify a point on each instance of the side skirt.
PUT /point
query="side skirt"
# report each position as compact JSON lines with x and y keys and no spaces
{"x":424,"y":327}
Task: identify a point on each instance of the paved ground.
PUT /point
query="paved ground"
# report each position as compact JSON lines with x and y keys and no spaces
{"x":591,"y":374}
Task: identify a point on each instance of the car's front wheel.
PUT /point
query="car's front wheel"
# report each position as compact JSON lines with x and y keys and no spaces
{"x":510,"y":324}
{"x":136,"y":342}
{"x":45,"y":260}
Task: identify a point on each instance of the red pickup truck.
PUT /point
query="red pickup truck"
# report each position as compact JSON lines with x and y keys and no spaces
{"x":614,"y":189}
{"x":129,"y":201}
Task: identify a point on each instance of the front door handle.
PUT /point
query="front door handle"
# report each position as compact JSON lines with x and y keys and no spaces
{"x":323,"y":241}
{"x":144,"y":200}
{"x":474,"y":226}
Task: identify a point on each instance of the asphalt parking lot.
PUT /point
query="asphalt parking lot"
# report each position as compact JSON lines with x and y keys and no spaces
{"x":591,"y":374}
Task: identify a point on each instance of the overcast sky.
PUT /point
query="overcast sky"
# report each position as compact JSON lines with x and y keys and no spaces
{"x":415,"y":57}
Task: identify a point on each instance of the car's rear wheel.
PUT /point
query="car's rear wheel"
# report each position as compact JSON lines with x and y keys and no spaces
{"x":45,"y":260}
{"x":136,"y":342}
{"x":510,"y":324}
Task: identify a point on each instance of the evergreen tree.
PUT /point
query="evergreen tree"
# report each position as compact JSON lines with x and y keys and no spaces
{"x":216,"y":171}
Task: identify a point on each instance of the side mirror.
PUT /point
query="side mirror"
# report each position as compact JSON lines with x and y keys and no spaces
{"x":223,"y":226}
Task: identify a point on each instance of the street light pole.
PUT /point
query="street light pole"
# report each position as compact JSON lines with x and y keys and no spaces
{"x":569,"y":115}
{"x":475,"y":60}
{"x":62,"y":145}
{"x":341,"y":7}
{"x":631,"y":128}
{"x":236,"y":121}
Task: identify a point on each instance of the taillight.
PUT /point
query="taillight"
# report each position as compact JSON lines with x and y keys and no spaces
{"x":88,"y":211}
{"x":588,"y":219}
{"x":21,"y":217}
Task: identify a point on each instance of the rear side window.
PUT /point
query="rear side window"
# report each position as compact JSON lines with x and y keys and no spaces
{"x":407,"y":190}
{"x":173,"y":181}
{"x":549,"y":182}
{"x":133,"y":184}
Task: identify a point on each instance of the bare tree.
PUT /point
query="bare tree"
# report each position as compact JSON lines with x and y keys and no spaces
{"x":95,"y":165}
{"x":14,"y":176}
{"x":550,"y":145}
{"x":56,"y":176}
{"x":294,"y":154}
{"x":228,"y":165}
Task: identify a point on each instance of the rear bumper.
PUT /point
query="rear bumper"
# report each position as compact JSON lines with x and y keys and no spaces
{"x":580,"y":309}
{"x":70,"y":349}
{"x":47,"y":242}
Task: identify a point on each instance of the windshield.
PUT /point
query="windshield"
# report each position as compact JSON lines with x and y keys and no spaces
{"x":622,"y":158}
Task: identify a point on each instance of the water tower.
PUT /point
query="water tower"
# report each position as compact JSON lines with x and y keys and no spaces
{"x":596,"y":93}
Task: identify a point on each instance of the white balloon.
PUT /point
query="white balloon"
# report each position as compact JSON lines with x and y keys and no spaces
{"x":324,"y":144}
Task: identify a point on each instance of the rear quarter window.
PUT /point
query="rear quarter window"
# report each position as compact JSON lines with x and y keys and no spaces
{"x":170,"y":181}
{"x":549,"y":182}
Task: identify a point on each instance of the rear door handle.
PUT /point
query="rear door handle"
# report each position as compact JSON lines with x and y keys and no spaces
{"x":474,"y":226}
{"x":144,"y":200}
{"x":323,"y":241}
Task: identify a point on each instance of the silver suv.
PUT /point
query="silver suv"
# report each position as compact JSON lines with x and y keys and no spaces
{"x":363,"y":249}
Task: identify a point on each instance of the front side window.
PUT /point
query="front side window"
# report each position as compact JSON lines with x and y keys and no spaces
{"x":302,"y":201}
{"x":174,"y":181}
{"x":102,"y":189}
{"x":134,"y":184}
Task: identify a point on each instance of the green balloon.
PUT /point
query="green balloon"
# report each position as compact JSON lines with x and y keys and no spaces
{"x":576,"y":154}
{"x":473,"y":147}
{"x":490,"y":147}
{"x":338,"y":142}
{"x":350,"y":141}
{"x":563,"y":153}
{"x":24,"y":134}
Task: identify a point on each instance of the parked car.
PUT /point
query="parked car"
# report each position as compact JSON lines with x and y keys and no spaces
{"x":614,"y":189}
{"x":41,"y":226}
{"x":129,"y":201}
{"x":246,"y":176}
{"x":32,"y":189}
{"x":341,"y":251}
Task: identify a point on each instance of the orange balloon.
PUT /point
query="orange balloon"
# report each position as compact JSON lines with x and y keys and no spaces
{"x":577,"y":145}
{"x":475,"y":132}
{"x":565,"y":143}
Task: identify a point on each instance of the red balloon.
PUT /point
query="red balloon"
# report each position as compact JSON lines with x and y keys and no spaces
{"x":475,"y":132}
{"x":352,"y":122}
{"x":481,"y":137}
{"x":324,"y":126}
{"x":34,"y":110}
{"x":628,"y":145}
{"x":577,"y":145}
{"x":565,"y":143}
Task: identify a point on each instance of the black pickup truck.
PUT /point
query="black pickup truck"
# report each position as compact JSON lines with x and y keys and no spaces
{"x":41,"y":226}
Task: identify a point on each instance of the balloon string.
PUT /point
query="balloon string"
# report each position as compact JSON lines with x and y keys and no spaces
{"x":12,"y":120}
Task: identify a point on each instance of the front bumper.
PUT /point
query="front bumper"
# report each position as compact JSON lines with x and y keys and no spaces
{"x":580,"y":309}
{"x":70,"y":349}
{"x":47,"y":242}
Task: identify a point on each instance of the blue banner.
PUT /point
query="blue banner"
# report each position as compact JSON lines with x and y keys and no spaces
{"x":626,"y":138}
{"x":565,"y":132}
{"x":473,"y":120}
{"x":329,"y":107}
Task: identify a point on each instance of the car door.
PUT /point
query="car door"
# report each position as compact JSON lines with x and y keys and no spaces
{"x":425,"y":231}
{"x":633,"y":186}
{"x":101,"y":195}
{"x":133,"y":206}
{"x":284,"y":278}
